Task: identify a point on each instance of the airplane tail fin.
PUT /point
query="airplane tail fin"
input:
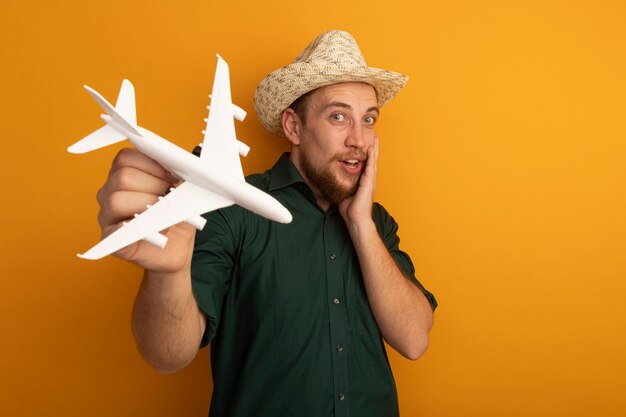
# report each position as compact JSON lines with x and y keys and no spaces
{"x":123,"y":115}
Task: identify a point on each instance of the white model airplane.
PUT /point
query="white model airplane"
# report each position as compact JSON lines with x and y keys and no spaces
{"x":212,"y":181}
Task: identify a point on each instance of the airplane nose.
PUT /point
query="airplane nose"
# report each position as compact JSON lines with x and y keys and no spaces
{"x":285,"y":217}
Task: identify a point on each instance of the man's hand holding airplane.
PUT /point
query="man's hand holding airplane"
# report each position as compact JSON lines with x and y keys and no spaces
{"x":135,"y":181}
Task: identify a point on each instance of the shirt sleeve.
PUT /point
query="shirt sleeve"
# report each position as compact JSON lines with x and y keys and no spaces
{"x":388,"y":230}
{"x":212,"y":269}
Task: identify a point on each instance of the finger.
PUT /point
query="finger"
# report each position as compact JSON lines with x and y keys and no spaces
{"x":121,"y":206}
{"x":133,"y":179}
{"x":132,"y":157}
{"x":173,"y":257}
{"x":375,"y":150}
{"x":372,"y":160}
{"x":376,"y":147}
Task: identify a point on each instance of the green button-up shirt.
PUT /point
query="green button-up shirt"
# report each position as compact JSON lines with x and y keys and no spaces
{"x":291,"y":327}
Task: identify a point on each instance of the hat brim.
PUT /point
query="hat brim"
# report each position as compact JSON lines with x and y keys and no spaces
{"x":282,"y":87}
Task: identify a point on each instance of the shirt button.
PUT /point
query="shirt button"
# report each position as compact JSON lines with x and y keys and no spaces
{"x":336,"y":301}
{"x":341,"y":397}
{"x":339,"y":348}
{"x":332,"y":257}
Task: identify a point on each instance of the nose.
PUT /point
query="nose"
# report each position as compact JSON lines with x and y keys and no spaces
{"x":356,"y":136}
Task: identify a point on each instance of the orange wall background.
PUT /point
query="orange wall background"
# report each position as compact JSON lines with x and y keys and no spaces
{"x":504,"y":161}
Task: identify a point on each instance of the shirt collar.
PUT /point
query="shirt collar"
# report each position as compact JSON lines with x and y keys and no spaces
{"x":284,"y":173}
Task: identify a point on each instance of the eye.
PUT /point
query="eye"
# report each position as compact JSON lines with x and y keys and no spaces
{"x":337,"y":117}
{"x":369,"y":120}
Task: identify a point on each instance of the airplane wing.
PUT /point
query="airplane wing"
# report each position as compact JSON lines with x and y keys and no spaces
{"x":220,"y":148}
{"x":185,"y":203}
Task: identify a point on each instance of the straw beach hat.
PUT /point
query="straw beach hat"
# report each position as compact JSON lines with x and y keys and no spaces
{"x":333,"y":57}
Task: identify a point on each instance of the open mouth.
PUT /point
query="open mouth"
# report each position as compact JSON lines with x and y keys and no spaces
{"x":352,"y":165}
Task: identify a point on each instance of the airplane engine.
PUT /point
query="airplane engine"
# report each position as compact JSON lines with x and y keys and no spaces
{"x":243,"y":148}
{"x":157,"y":239}
{"x":196,"y":221}
{"x":239,"y":113}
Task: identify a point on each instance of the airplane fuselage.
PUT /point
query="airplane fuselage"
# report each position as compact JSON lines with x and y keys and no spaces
{"x":189,"y":167}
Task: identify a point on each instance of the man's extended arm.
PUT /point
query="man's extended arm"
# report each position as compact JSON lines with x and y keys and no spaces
{"x":167,"y":323}
{"x":401,"y":310}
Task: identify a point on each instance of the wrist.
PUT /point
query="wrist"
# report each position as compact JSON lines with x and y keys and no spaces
{"x":364,"y":228}
{"x":168,"y":281}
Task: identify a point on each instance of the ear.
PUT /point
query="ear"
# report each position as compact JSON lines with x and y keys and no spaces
{"x":291,"y":126}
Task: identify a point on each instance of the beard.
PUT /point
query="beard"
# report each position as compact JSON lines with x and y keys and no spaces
{"x":328,"y":184}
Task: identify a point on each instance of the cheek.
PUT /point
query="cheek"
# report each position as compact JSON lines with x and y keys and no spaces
{"x":318,"y":150}
{"x":325,"y":145}
{"x":314,"y":155}
{"x":370,"y":135}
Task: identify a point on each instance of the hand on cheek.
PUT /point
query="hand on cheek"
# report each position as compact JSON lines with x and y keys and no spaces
{"x":358,"y":208}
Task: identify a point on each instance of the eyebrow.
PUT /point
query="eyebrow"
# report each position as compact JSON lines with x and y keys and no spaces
{"x":347,"y":106}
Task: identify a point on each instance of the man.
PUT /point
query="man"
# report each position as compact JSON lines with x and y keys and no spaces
{"x":295,"y":313}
